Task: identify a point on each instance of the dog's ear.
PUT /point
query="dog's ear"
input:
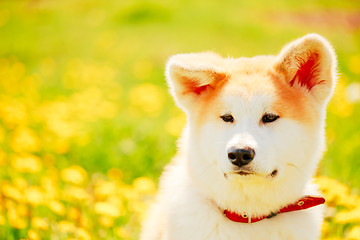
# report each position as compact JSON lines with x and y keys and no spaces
{"x":194,"y":76}
{"x":309,"y":63}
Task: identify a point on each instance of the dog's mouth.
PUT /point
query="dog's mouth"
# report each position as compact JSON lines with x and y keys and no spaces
{"x":244,"y":173}
{"x":273,"y":174}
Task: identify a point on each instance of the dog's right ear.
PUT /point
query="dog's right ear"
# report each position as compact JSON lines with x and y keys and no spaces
{"x":193,"y":77}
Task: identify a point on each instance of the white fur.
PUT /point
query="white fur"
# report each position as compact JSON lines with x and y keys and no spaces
{"x":200,"y":182}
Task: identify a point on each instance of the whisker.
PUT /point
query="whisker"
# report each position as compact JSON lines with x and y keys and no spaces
{"x":299,"y":169}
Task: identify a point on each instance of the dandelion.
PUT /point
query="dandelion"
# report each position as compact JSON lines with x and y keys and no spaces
{"x":11,"y":192}
{"x":339,"y":103}
{"x":66,"y":226}
{"x":122,"y":233}
{"x":15,"y":220}
{"x":354,"y":63}
{"x":138,"y":207}
{"x":107,"y":209}
{"x":24,"y":140}
{"x":74,"y":174}
{"x":57,"y":207}
{"x":144,"y":185}
{"x":14,"y":113}
{"x":105,"y":189}
{"x":20,"y":183}
{"x":83,"y":234}
{"x":73,"y":213}
{"x":106,"y":221}
{"x":34,"y":195}
{"x":148,"y":98}
{"x":26,"y":163}
{"x":50,"y":187}
{"x":332,"y":188}
{"x":39,"y":223}
{"x":114,"y":174}
{"x":354,"y":233}
{"x":348,"y":216}
{"x":175,"y":125}
{"x":353,"y":92}
{"x":2,"y":220}
{"x":32,"y":235}
{"x":73,"y":193}
{"x":22,"y":210}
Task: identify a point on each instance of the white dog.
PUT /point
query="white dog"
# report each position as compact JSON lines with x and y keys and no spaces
{"x":254,"y":136}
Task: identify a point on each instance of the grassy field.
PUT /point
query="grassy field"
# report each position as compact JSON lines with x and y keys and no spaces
{"x":86,"y":123}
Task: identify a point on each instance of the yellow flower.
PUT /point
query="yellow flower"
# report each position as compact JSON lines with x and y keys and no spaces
{"x":340,"y":104}
{"x":11,"y":192}
{"x":104,"y":189}
{"x":15,"y":220}
{"x":20,"y":183}
{"x":115,"y":174}
{"x":106,"y":221}
{"x":57,"y":207}
{"x":74,"y":174}
{"x":176,"y":125}
{"x":138,"y":207}
{"x":75,"y":193}
{"x":128,"y":192}
{"x":66,"y":227}
{"x":83,"y":234}
{"x":2,"y":220}
{"x":332,"y":189}
{"x":107,"y":209}
{"x":50,"y":187}
{"x":354,"y":233}
{"x":144,"y":185}
{"x":348,"y":216}
{"x":122,"y":233}
{"x":354,"y":63}
{"x":73,"y":213}
{"x":26,"y":163}
{"x":24,"y":140}
{"x":34,"y":195}
{"x":3,"y":160}
{"x":13,"y":113}
{"x":22,"y":210}
{"x":32,"y":235}
{"x":40,"y":223}
{"x":148,"y":98}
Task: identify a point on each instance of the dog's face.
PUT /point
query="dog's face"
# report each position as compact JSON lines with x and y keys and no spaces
{"x":256,"y":118}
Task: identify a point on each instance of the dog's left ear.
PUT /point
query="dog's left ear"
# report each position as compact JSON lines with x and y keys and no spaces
{"x":309,"y":63}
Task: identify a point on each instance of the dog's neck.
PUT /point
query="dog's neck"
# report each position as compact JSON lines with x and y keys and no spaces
{"x":252,"y":199}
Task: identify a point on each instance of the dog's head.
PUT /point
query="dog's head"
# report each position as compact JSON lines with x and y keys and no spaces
{"x":256,"y":118}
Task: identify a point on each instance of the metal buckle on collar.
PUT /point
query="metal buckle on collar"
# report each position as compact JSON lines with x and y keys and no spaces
{"x":272,"y":215}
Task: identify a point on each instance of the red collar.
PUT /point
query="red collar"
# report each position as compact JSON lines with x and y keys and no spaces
{"x":304,"y":203}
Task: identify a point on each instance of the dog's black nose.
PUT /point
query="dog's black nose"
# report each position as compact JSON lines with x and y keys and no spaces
{"x":241,"y":156}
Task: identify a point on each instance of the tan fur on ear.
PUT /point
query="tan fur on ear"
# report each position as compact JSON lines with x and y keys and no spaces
{"x":193,"y":76}
{"x":309,"y":63}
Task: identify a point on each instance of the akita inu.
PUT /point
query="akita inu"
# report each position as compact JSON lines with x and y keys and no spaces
{"x":254,"y":136}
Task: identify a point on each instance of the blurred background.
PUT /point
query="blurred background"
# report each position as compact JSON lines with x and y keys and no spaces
{"x":87,"y":124}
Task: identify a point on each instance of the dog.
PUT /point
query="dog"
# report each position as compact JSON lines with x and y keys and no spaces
{"x":247,"y":156}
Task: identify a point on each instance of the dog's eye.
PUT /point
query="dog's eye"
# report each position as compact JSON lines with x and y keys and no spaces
{"x":227,"y":118}
{"x":269,"y":117}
